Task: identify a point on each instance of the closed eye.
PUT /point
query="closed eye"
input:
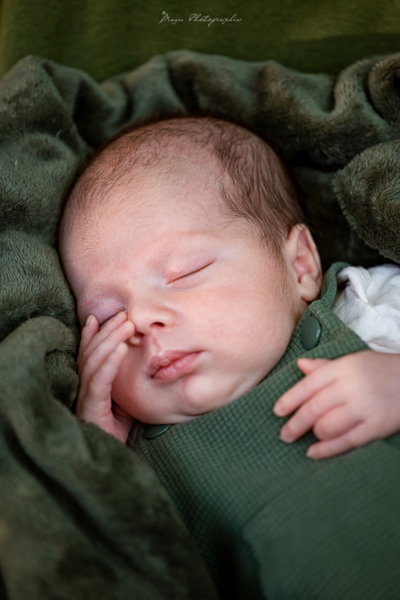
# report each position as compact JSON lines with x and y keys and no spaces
{"x":192,"y":272}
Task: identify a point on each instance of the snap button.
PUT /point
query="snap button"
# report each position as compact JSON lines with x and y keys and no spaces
{"x":311,"y":332}
{"x":153,"y":431}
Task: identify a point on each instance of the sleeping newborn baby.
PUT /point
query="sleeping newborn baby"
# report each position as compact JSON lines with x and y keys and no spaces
{"x":185,"y":247}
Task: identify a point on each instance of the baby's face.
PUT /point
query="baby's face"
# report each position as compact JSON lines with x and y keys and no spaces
{"x":201,"y":293}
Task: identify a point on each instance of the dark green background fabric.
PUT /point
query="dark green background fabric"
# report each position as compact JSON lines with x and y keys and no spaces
{"x":105,"y":37}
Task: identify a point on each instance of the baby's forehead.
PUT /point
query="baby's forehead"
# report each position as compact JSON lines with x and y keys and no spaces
{"x":147,"y":187}
{"x":144,"y":206}
{"x":126,"y":183}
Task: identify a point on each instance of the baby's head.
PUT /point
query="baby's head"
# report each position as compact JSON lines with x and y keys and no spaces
{"x":193,"y":227}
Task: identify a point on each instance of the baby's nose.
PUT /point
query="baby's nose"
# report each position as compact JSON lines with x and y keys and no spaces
{"x":150,"y":314}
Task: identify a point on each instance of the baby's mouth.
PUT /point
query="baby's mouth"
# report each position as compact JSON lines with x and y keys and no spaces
{"x":171,"y":365}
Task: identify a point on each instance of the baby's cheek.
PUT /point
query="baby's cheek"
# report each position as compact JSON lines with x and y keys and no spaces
{"x":224,"y":316}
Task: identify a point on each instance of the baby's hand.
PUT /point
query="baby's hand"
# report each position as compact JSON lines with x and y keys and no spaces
{"x":347,"y":402}
{"x":100,"y":355}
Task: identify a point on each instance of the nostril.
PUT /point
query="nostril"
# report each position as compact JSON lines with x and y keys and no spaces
{"x":159,"y":324}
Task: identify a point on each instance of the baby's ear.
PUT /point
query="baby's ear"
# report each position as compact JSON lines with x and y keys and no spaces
{"x":305,"y":261}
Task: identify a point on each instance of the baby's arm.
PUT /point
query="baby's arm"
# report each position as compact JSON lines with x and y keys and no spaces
{"x":101,"y":353}
{"x":347,"y":402}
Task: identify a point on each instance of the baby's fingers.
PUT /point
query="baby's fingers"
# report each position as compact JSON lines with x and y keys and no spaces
{"x":308,"y":414}
{"x":88,"y":332}
{"x":94,"y":358}
{"x":336,"y":422}
{"x":353,"y":438}
{"x":329,"y":448}
{"x":307,"y":365}
{"x":92,"y":335}
{"x":94,"y":401}
{"x":93,"y":361}
{"x":317,"y":378}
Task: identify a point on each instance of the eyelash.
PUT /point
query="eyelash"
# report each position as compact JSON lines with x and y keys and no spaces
{"x":191,"y":273}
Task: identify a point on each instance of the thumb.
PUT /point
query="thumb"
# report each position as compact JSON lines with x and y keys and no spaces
{"x":120,"y":412}
{"x":308,"y":365}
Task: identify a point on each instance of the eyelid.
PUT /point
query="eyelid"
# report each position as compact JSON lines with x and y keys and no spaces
{"x":193,"y":272}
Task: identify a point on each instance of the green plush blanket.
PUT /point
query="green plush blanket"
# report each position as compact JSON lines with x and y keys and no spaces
{"x":80,"y":515}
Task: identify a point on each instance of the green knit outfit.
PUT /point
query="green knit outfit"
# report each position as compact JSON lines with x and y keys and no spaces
{"x":268,"y":521}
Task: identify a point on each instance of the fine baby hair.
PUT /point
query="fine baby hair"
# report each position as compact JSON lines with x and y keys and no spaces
{"x":253,"y":182}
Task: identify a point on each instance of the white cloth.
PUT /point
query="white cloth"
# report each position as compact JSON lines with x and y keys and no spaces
{"x":370,"y":305}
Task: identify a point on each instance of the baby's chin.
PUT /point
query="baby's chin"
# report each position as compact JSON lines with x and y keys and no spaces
{"x":197,"y":397}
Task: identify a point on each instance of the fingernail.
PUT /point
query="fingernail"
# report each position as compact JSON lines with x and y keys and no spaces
{"x":300,"y":360}
{"x":312,"y":453}
{"x":286,"y":435}
{"x":119,"y":316}
{"x":88,"y":320}
{"x":279,"y":409}
{"x":135,"y":339}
